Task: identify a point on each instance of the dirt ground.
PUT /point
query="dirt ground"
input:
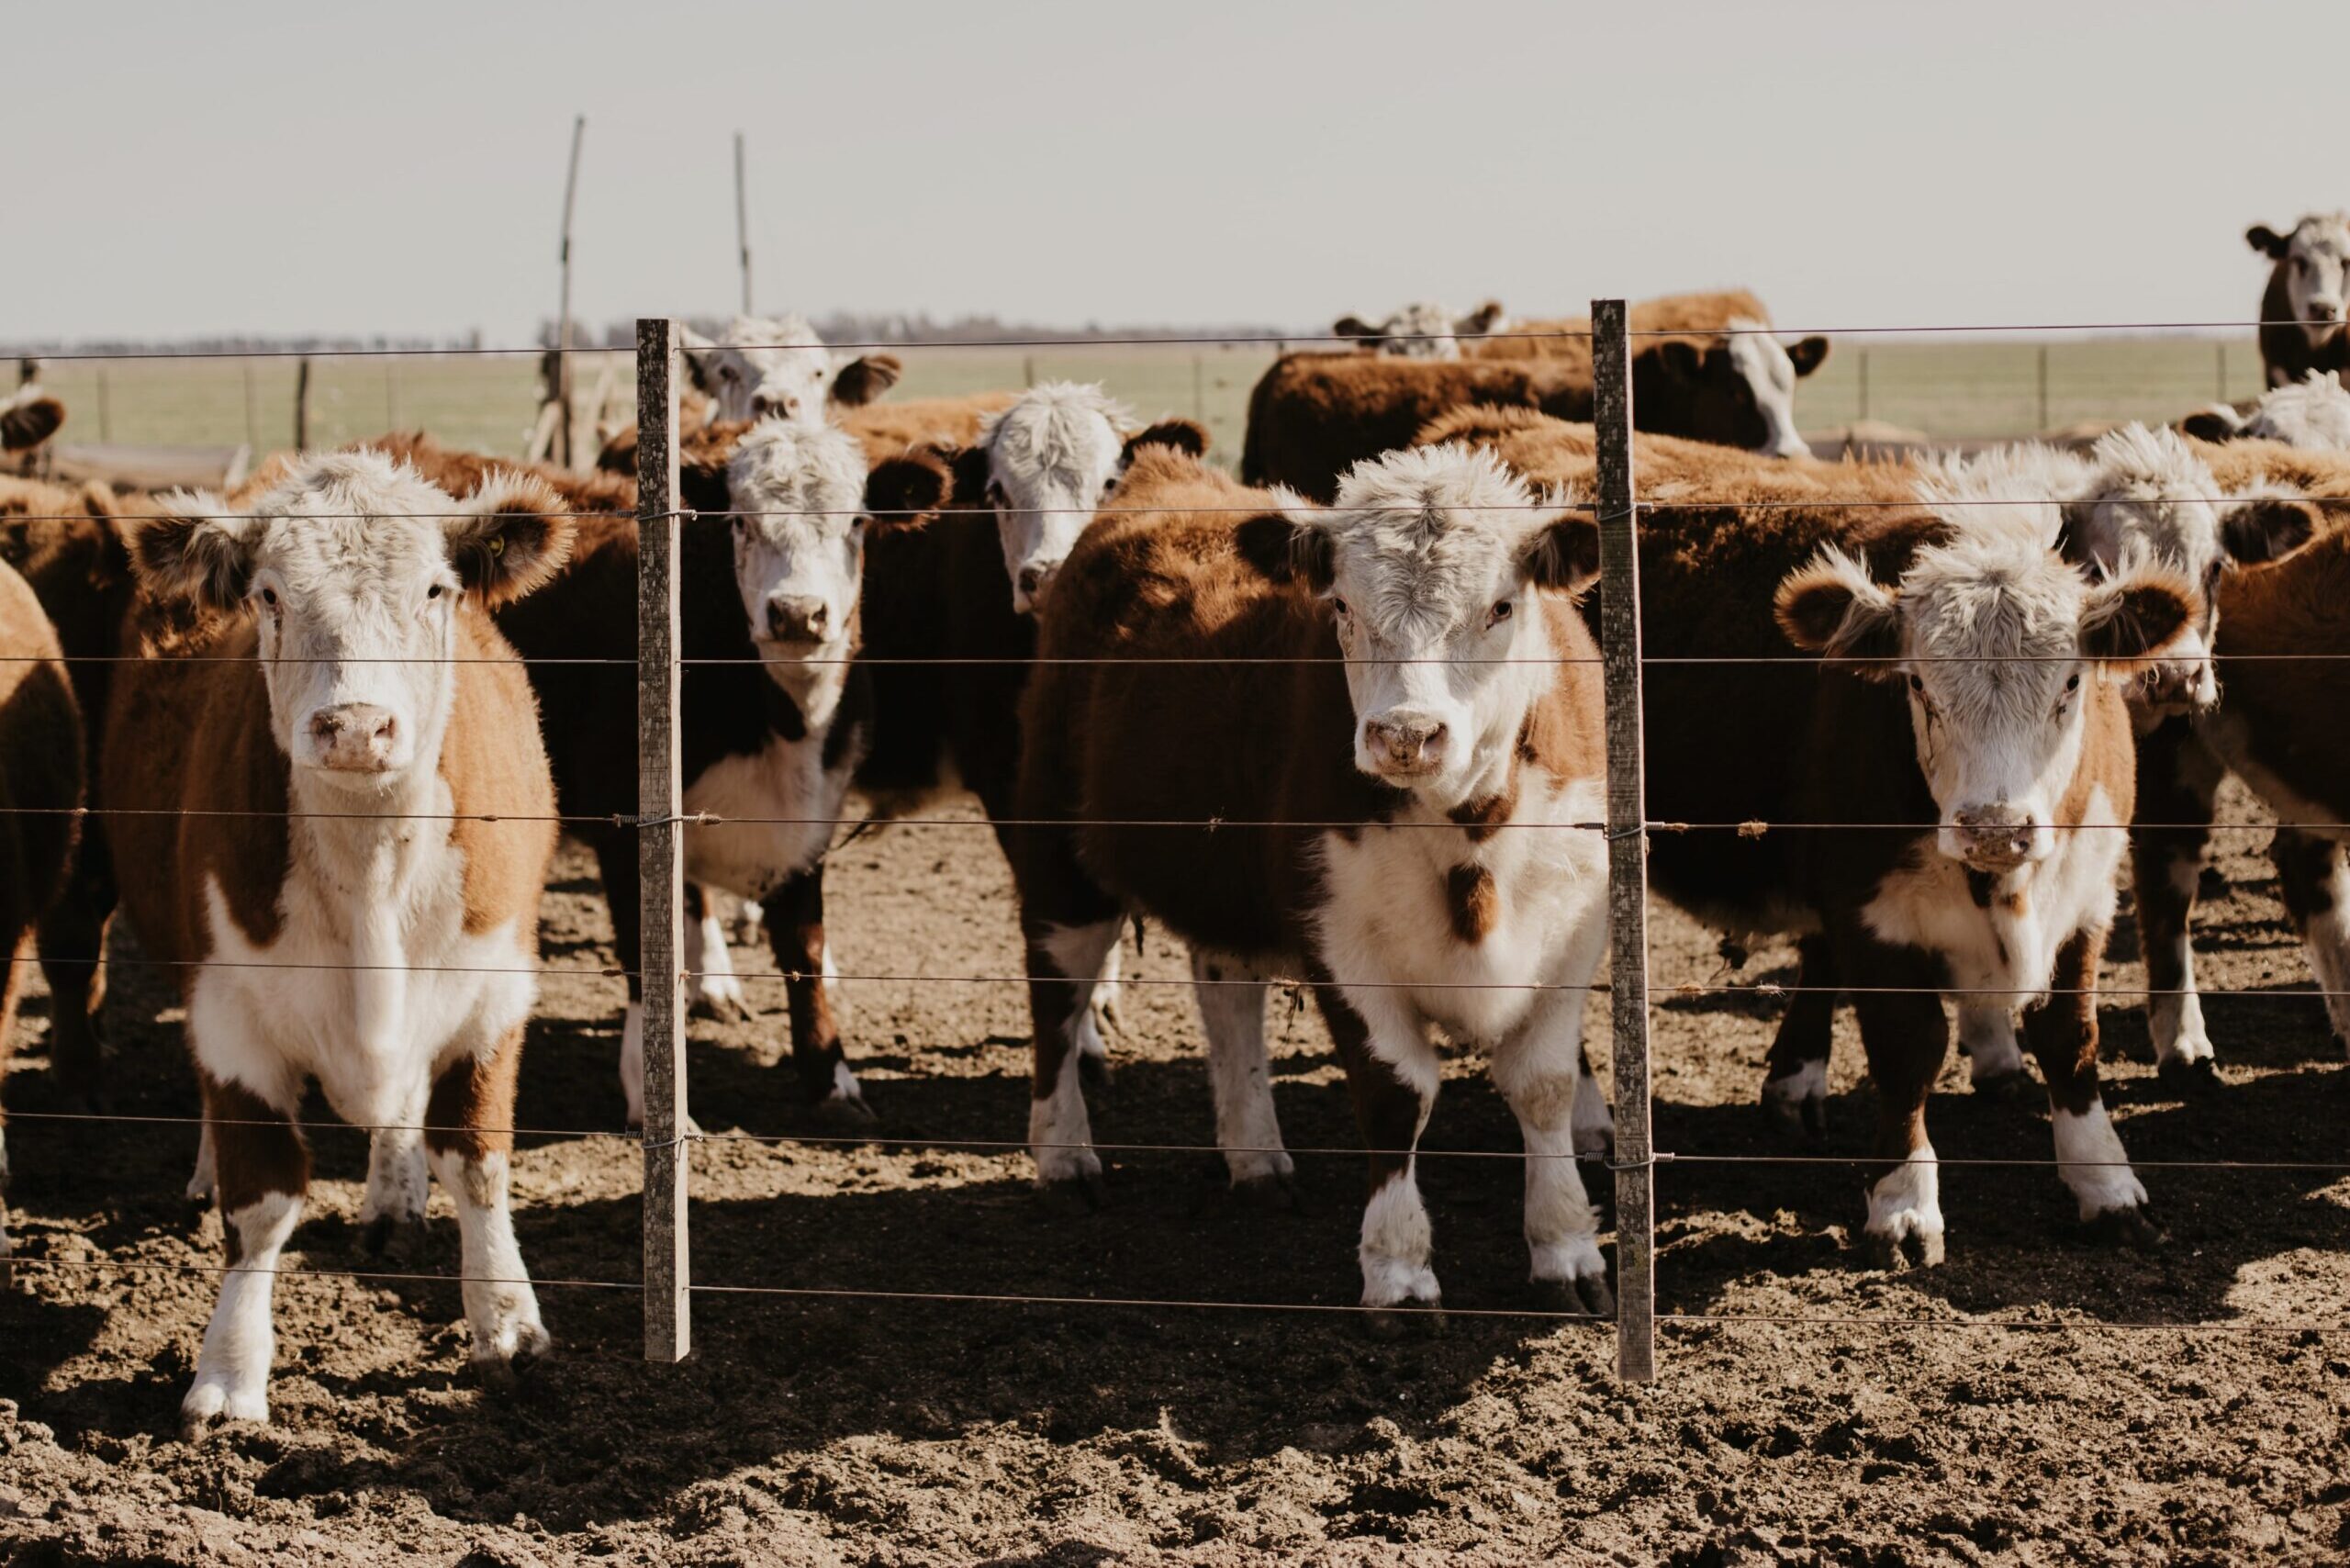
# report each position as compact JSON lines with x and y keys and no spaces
{"x":2183,"y":1405}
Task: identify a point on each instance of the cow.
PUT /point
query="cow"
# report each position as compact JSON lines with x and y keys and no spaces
{"x":1402,"y":679}
{"x":760,"y":368}
{"x":775,"y":712}
{"x":40,"y":785}
{"x":67,"y":544}
{"x":330,"y":773}
{"x":1312,"y":416}
{"x":29,"y":417}
{"x":1956,"y":712}
{"x":1423,"y":329}
{"x":2314,"y":412}
{"x":2302,"y":309}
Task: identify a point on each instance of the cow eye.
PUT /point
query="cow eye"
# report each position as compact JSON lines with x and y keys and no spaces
{"x":2074,"y":684}
{"x":1917,"y":685}
{"x":433,"y":592}
{"x":1338,"y":604}
{"x":1500,"y":613}
{"x":269,"y":598}
{"x":995,"y":494}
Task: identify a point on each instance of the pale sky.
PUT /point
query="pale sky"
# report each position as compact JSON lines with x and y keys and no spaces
{"x":186,"y":170}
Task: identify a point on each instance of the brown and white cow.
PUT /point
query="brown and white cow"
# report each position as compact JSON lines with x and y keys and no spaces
{"x":777,"y":369}
{"x":1966,"y":716}
{"x":40,"y":783}
{"x":2314,"y":412}
{"x":334,"y":788}
{"x":1421,"y":708}
{"x":29,"y":417}
{"x":1422,"y":330}
{"x":2303,"y":309}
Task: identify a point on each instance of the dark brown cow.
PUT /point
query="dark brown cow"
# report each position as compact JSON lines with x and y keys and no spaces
{"x":1977,"y":729}
{"x":1424,"y":709}
{"x":40,"y":783}
{"x":2303,"y":309}
{"x":331,"y":783}
{"x":1313,"y":416}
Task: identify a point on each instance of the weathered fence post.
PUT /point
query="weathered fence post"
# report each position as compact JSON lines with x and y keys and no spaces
{"x":302,"y":404}
{"x":1627,"y":870}
{"x":668,"y":1326}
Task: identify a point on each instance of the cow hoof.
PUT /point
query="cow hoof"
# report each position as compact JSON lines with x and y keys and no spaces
{"x":2007,"y":1088}
{"x":2128,"y":1227}
{"x":504,"y":1374}
{"x":845,"y":1113}
{"x":1109,"y":1015}
{"x":1422,"y":1319}
{"x":210,"y":1405}
{"x":1080,"y":1194}
{"x":720,"y":1008}
{"x":1586,"y":1298}
{"x":1275,"y":1194}
{"x":1894,"y":1253}
{"x":2189,"y":1077}
{"x":398,"y":1238}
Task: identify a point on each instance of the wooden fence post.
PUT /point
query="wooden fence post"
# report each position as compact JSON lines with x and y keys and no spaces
{"x":1627,"y":870}
{"x":302,"y":404}
{"x":668,"y":1280}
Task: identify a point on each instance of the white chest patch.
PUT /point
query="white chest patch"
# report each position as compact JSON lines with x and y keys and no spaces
{"x":787,"y":781}
{"x":1389,"y":916}
{"x":372,"y":986}
{"x":2010,"y":944}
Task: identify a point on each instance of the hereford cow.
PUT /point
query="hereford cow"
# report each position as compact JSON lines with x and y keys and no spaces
{"x":1967,"y":709}
{"x":2314,"y":412}
{"x":40,"y":783}
{"x":333,"y":787}
{"x":2302,"y":309}
{"x":67,"y":544}
{"x":776,"y":713}
{"x":1423,"y":329}
{"x":1312,"y":416}
{"x":1434,"y":716}
{"x":778,"y":368}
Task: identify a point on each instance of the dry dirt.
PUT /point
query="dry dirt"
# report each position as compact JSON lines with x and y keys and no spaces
{"x":2183,"y":1405}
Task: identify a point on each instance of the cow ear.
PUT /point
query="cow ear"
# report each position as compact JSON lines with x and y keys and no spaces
{"x":1834,"y":609}
{"x":902,"y":492}
{"x":1292,"y":545}
{"x":1481,"y":320}
{"x":1680,"y":359}
{"x":189,"y":551}
{"x":1353,"y":327}
{"x":972,"y":475}
{"x":618,"y":455}
{"x":1563,"y":553}
{"x":2136,"y":614}
{"x":861,"y":381}
{"x":509,"y":537}
{"x":1184,"y":435}
{"x":2267,"y":528}
{"x":2217,"y":423}
{"x":1808,"y":354}
{"x":2085,"y":538}
{"x":26,"y":422}
{"x":2267,"y":241}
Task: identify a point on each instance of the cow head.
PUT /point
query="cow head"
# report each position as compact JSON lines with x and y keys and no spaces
{"x":1739,"y":390}
{"x":1050,"y":460}
{"x":2312,"y":413}
{"x":1429,"y":561}
{"x":355,"y":570}
{"x":779,"y":368}
{"x":29,"y":417}
{"x":1421,"y":331}
{"x":2315,"y":259}
{"x":1997,"y":643}
{"x":804,"y":502}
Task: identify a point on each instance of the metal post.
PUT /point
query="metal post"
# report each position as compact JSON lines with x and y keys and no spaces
{"x":742,"y":223}
{"x":302,"y":404}
{"x":668,"y":1281}
{"x":1627,"y":870}
{"x":562,"y":316}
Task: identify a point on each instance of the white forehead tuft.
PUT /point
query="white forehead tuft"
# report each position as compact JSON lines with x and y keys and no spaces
{"x":2006,"y":491}
{"x":2314,"y":412}
{"x":1066,"y":430}
{"x":1758,"y":356}
{"x":1431,"y":531}
{"x":355,"y":516}
{"x":771,"y":332}
{"x":2322,"y":233}
{"x":805,"y":475}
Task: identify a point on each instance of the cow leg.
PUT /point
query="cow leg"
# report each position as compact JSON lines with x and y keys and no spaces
{"x":264,"y":1170}
{"x":2317,"y":895}
{"x":1231,"y":994}
{"x":2061,"y":1030}
{"x":616,"y":860}
{"x":795,"y":922}
{"x":1906,"y":1037}
{"x":1392,"y":1075}
{"x":712,"y":989}
{"x":1108,"y":1007}
{"x":1987,"y":1038}
{"x":1595,"y":1123}
{"x":203,"y":1181}
{"x":1794,"y":1076}
{"x":1540,"y":1071}
{"x":471,"y":1118}
{"x":748,"y":921}
{"x":2178,"y":782}
{"x":73,"y":962}
{"x":397,"y":1180}
{"x":9,"y":986}
{"x":1069,"y":925}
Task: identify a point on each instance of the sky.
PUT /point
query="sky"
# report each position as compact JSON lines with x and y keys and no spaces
{"x":280,"y":169}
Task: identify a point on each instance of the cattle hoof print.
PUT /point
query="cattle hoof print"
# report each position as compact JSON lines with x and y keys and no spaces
{"x":2189,"y":1077}
{"x":2130,"y":1228}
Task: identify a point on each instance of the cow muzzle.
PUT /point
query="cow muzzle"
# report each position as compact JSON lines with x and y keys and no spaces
{"x":798,"y":618}
{"x":1403,"y":747}
{"x":1031,"y":584}
{"x":2176,"y":685}
{"x":354,"y":737}
{"x":1993,"y":838}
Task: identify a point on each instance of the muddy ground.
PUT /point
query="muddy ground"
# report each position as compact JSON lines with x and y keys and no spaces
{"x":2183,"y":1405}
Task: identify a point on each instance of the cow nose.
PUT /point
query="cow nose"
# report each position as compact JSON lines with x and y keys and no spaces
{"x":1993,"y":836}
{"x":765,"y":408}
{"x":354,"y":735}
{"x":795,"y":617}
{"x":1033,"y":582}
{"x":1407,"y":745}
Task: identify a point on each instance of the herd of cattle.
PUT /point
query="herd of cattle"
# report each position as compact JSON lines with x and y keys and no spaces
{"x":1337,"y":720}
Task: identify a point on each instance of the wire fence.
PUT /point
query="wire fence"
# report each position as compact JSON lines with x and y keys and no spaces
{"x":667,"y":1284}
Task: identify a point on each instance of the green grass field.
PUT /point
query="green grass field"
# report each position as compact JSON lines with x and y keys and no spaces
{"x":1953,"y":389}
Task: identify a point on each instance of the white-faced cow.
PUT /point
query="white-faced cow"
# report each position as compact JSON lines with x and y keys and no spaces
{"x":1432,"y":716}
{"x":2302,"y":311}
{"x":1423,"y":329}
{"x":1967,"y":713}
{"x":2312,"y":413}
{"x":762,"y":368}
{"x":333,"y":785}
